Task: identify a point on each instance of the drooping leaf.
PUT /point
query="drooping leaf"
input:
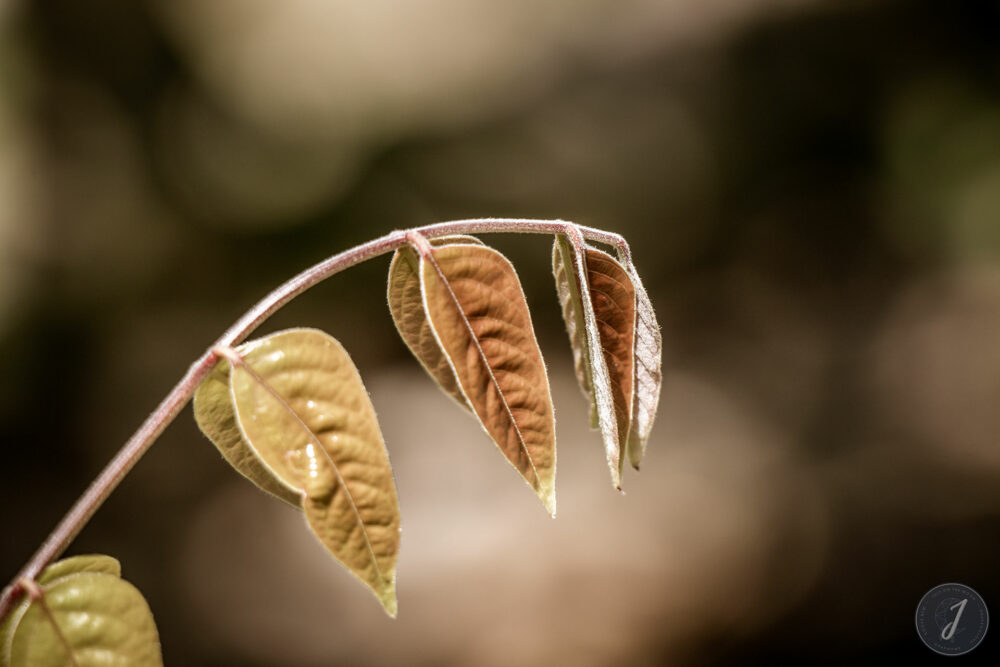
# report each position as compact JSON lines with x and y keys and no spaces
{"x":407,"y":307}
{"x":87,"y":616}
{"x":613,"y":297}
{"x":568,"y":289}
{"x":648,"y":374}
{"x":599,"y":307}
{"x":478,"y":314}
{"x":300,"y":403}
{"x":213,"y":410}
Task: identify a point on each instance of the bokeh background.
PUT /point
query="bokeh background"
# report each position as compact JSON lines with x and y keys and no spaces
{"x":812,"y":192}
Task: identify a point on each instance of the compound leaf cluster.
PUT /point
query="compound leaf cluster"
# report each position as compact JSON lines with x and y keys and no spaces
{"x":289,"y":412}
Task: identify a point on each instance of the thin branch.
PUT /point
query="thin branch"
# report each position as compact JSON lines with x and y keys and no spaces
{"x":170,"y":407}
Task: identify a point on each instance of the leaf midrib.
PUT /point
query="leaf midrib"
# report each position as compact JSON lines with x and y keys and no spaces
{"x":319,"y":445}
{"x":485,"y":360}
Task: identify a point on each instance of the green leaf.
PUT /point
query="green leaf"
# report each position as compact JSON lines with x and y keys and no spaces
{"x":213,"y":410}
{"x":477,"y":312}
{"x":301,"y":405}
{"x":86,"y":616}
{"x":77,"y":564}
{"x":406,"y":304}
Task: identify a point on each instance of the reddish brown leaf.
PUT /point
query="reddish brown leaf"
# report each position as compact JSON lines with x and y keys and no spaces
{"x":477,"y":312}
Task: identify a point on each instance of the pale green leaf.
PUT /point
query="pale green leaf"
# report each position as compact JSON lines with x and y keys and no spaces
{"x":57,"y":570}
{"x":213,"y":410}
{"x":478,"y":314}
{"x":301,"y":405}
{"x":77,"y":564}
{"x":8,"y":626}
{"x":407,"y":308}
{"x":87,"y":616}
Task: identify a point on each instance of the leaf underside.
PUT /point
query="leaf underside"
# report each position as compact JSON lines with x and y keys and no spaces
{"x":613,"y":298}
{"x":600,"y":313}
{"x":476,"y":310}
{"x":648,"y":373}
{"x":89,"y":612}
{"x":300,"y":404}
{"x":568,"y":291}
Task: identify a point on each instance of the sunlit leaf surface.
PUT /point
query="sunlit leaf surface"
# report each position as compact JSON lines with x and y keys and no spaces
{"x":87,"y":616}
{"x":301,"y":405}
{"x":478,"y":314}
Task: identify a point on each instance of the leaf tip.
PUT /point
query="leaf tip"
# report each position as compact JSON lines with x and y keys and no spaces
{"x":616,"y":473}
{"x":549,"y":501}
{"x":388,"y":599}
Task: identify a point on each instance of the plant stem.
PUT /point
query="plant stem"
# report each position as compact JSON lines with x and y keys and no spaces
{"x":170,"y":407}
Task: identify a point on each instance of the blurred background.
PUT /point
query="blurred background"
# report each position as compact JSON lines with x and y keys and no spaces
{"x":812,"y":193}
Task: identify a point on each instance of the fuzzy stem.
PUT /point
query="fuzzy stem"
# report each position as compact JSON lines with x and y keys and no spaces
{"x":170,"y":407}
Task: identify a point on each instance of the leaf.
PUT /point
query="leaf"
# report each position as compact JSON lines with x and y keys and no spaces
{"x":599,"y":307}
{"x":648,"y":373}
{"x":55,"y":571}
{"x":613,"y":298}
{"x":213,"y":410}
{"x":407,"y":307}
{"x":85,"y":609}
{"x":568,"y":290}
{"x":77,"y":564}
{"x":301,"y":405}
{"x":478,"y":315}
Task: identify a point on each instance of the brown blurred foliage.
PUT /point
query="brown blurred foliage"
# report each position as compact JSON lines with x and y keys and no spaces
{"x":811,"y":189}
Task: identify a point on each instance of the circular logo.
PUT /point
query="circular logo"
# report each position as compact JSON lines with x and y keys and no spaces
{"x":952,"y":619}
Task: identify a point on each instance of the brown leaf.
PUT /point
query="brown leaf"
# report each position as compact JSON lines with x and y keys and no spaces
{"x":477,"y":312}
{"x":613,"y":297}
{"x":600,"y":317}
{"x":406,"y":304}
